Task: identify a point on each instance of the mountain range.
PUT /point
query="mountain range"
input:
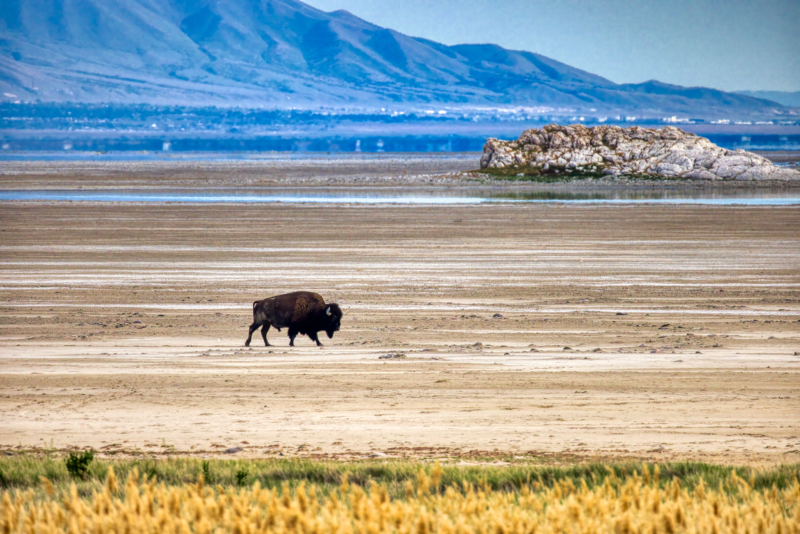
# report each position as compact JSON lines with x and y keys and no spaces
{"x":785,"y":98}
{"x":284,"y":53}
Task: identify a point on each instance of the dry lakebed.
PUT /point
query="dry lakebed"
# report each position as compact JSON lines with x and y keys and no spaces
{"x":542,"y":331}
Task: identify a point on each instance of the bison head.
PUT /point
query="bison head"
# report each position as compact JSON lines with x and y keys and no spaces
{"x":333,"y":319}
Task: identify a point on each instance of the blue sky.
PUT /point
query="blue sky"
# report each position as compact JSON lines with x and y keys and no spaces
{"x":730,"y":45}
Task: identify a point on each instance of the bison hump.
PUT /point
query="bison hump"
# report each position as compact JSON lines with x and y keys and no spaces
{"x":306,"y":305}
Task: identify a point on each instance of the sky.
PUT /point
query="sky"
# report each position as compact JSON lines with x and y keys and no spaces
{"x":730,"y":45}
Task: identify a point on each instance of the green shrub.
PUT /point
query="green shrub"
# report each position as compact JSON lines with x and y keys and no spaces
{"x":206,"y":466}
{"x":242,"y":475}
{"x":78,"y":463}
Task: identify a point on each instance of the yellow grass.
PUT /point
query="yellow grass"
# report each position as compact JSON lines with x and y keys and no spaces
{"x":637,"y":504}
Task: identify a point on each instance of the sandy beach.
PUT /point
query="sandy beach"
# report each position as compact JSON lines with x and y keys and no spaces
{"x":541,"y":331}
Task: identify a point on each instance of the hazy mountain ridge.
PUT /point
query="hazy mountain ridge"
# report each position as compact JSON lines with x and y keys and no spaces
{"x":284,"y":53}
{"x":786,"y":98}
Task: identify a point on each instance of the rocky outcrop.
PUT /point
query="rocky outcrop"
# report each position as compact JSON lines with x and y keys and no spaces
{"x":634,"y":152}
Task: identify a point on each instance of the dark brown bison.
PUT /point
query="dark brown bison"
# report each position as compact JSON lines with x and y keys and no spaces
{"x":302,"y":312}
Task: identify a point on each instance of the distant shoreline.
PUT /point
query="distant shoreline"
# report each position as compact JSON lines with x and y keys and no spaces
{"x":301,"y":172}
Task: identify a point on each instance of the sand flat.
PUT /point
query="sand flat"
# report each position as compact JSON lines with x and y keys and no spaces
{"x":640,"y":331}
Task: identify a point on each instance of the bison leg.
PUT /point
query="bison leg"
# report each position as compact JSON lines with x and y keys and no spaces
{"x":292,"y":334}
{"x":315,"y":337}
{"x":253,"y":328}
{"x":264,"y":330}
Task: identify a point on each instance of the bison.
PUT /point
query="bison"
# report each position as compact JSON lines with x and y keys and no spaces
{"x":302,"y":312}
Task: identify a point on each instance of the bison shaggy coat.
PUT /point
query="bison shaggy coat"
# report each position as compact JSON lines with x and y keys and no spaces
{"x":301,"y":312}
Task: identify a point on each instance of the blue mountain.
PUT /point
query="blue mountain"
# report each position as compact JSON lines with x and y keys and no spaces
{"x":284,"y":53}
{"x":786,"y":98}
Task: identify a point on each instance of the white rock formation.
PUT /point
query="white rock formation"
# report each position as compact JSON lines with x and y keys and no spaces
{"x":636,"y":152}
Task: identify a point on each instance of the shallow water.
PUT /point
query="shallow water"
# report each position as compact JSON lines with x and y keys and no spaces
{"x":418,"y":196}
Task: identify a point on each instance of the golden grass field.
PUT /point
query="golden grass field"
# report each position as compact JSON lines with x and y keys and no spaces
{"x":640,"y":502}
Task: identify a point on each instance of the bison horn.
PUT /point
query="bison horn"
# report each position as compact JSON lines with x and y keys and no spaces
{"x":328,"y":311}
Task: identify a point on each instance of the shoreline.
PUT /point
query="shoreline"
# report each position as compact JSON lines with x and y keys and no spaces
{"x":437,"y":182}
{"x":456,"y":171}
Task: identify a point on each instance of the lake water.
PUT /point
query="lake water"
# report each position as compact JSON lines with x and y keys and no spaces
{"x":421,"y":196}
{"x":100,"y":144}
